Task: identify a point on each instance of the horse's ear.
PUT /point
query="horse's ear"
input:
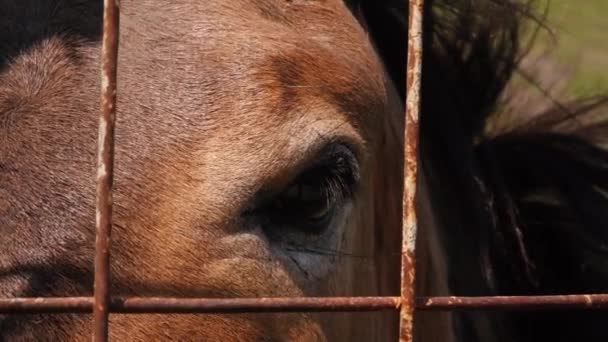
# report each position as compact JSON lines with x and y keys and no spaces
{"x":386,"y":22}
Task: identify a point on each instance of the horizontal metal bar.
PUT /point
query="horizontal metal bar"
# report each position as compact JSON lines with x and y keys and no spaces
{"x":554,"y":302}
{"x":46,"y":305}
{"x":298,"y":304}
{"x":200,"y":305}
{"x":237,"y":305}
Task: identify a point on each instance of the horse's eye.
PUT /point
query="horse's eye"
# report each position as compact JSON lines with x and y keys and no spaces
{"x":313,"y":199}
{"x":306,"y":205}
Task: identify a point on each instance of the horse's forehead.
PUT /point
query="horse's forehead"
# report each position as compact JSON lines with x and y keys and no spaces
{"x":307,"y":17}
{"x":314,"y":52}
{"x":247,"y":57}
{"x":249,"y":95}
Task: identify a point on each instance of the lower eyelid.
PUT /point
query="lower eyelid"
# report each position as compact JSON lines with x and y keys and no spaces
{"x":319,"y":265}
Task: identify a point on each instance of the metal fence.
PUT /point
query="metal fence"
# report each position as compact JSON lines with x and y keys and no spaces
{"x":102,"y":303}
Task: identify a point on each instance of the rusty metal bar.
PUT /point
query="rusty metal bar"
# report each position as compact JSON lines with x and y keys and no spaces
{"x":46,"y":305}
{"x":410,"y":169}
{"x":200,"y":305}
{"x":299,"y":304}
{"x":584,"y":301}
{"x":236,"y":305}
{"x":105,"y":169}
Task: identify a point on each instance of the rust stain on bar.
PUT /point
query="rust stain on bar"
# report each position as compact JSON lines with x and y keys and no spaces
{"x":410,"y":169}
{"x":105,"y":170}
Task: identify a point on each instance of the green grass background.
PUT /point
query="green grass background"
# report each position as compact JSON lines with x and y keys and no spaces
{"x":581,"y":28}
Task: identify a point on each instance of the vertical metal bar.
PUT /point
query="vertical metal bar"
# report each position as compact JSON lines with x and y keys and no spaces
{"x":410,"y":169}
{"x":105,"y":170}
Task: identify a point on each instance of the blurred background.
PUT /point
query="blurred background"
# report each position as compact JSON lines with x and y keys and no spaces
{"x":565,"y":71}
{"x":581,"y":31}
{"x":579,"y":43}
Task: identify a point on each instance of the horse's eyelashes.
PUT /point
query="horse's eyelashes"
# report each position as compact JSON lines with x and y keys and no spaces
{"x":308,"y":205}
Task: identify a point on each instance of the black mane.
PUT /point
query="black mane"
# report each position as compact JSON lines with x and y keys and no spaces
{"x":521,"y":211}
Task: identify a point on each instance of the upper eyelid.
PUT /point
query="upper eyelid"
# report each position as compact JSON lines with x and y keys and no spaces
{"x":324,"y":154}
{"x":329,"y":153}
{"x":324,"y":157}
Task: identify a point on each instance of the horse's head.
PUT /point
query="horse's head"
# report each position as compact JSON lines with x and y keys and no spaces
{"x":258,"y":154}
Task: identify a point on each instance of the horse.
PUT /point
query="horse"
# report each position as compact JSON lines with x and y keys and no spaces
{"x":235,"y":118}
